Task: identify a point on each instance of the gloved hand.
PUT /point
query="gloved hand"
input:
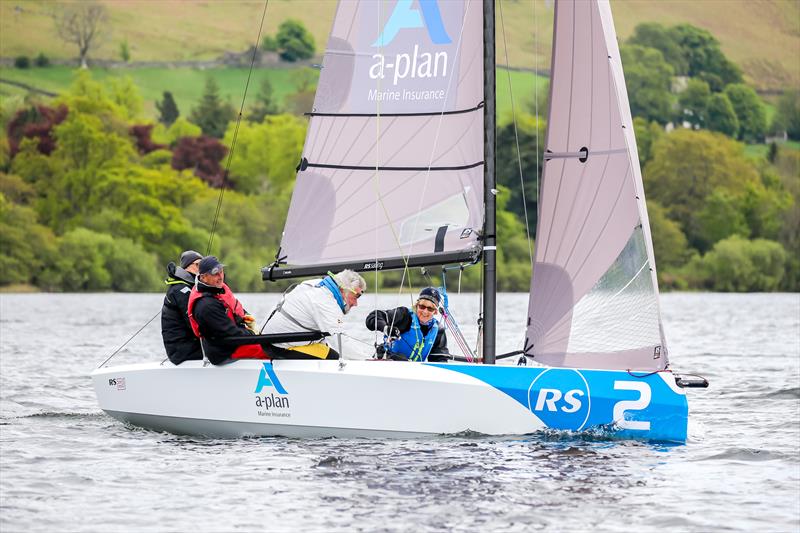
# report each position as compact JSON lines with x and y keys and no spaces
{"x":391,"y":332}
{"x":250,"y":323}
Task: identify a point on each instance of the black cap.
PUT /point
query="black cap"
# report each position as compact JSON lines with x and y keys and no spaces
{"x":188,"y":257}
{"x":430,"y":294}
{"x":210,"y":265}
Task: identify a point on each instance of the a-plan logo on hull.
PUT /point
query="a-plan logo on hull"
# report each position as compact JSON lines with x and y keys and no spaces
{"x":560,"y":398}
{"x":267,"y":378}
{"x":405,"y":16}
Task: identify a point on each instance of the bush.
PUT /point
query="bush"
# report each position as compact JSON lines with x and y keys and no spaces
{"x":739,"y":265}
{"x":22,"y":62}
{"x":294,"y":41}
{"x":41,"y":60}
{"x":91,"y":261}
{"x":269,"y":44}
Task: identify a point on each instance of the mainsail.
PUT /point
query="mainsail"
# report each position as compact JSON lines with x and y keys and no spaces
{"x":392,"y":167}
{"x":594,"y":294}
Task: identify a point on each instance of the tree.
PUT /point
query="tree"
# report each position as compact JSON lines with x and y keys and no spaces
{"x":265,"y":103}
{"x":212,"y":114}
{"x":27,"y":246}
{"x":203,"y":156}
{"x":787,"y":117}
{"x":704,"y":57}
{"x":736,"y":264}
{"x":721,"y":116}
{"x":693,"y":103}
{"x":36,"y":122}
{"x":654,"y":35}
{"x":509,"y":162}
{"x":294,"y":41}
{"x":144,"y":144}
{"x":124,"y":51}
{"x":647,"y":134}
{"x":267,"y":154}
{"x":670,"y":246}
{"x":82,"y":24}
{"x":167,"y":109}
{"x":749,"y":111}
{"x":649,"y":80}
{"x":688,"y":166}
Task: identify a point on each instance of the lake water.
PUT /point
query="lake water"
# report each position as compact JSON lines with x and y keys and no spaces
{"x":65,"y":466}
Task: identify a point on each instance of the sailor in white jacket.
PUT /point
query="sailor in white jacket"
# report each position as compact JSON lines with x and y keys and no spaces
{"x":315,"y":305}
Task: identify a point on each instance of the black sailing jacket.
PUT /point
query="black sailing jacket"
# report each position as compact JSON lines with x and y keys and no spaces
{"x":179,"y":340}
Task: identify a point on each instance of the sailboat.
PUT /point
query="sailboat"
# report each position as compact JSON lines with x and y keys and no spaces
{"x":397,"y":172}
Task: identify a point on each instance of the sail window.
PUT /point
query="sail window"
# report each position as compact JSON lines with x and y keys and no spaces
{"x":452,"y":212}
{"x":621,"y":311}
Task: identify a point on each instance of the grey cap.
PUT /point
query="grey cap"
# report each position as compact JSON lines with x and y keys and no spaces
{"x":188,"y":257}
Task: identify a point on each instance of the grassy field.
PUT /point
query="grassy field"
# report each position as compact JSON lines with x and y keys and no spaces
{"x":762,"y":36}
{"x":187,"y":84}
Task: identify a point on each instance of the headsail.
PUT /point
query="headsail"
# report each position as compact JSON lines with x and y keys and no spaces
{"x":594,"y":294}
{"x":392,"y":167}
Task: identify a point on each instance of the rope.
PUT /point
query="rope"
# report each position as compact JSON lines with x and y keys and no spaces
{"x":516,"y":136}
{"x":236,"y":132}
{"x":225,"y":177}
{"x":129,"y":340}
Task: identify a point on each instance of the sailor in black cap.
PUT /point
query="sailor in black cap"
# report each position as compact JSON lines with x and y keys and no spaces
{"x":412,"y":334}
{"x":176,"y":332}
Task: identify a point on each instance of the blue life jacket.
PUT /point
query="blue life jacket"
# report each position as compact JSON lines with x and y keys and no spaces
{"x":413,"y":344}
{"x":331,"y":285}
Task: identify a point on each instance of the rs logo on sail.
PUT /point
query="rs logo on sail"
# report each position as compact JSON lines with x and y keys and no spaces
{"x":412,"y":63}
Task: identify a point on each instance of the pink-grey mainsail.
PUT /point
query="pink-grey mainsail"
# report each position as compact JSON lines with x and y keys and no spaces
{"x":594,"y":294}
{"x":393,"y":159}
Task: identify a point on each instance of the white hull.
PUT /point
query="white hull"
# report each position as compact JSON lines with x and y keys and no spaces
{"x":375,"y":399}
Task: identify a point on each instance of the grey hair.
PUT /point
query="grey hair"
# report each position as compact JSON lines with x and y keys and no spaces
{"x":348,"y":279}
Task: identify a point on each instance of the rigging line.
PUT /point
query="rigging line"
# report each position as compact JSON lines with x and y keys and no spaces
{"x":516,"y":135}
{"x":129,"y":340}
{"x":236,"y":132}
{"x":536,"y":112}
{"x":222,"y":189}
{"x":439,"y":124}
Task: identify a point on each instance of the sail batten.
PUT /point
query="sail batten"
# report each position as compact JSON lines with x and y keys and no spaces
{"x":594,"y":295}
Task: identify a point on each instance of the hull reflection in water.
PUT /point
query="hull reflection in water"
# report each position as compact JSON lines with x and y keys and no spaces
{"x":389,"y":399}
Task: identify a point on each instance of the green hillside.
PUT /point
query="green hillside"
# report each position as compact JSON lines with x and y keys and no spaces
{"x":763,"y":37}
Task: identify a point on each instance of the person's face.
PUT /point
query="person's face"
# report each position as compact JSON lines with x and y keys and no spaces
{"x":425,"y":310}
{"x":351,"y":297}
{"x":215,"y":278}
{"x":194,"y":267}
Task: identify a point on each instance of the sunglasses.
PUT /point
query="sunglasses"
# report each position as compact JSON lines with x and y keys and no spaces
{"x":357,"y":294}
{"x":428,"y":308}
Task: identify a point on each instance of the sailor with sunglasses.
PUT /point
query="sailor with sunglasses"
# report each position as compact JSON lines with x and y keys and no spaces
{"x":412,"y":334}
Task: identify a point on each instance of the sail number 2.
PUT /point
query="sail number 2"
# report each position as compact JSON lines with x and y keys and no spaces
{"x":622,"y":406}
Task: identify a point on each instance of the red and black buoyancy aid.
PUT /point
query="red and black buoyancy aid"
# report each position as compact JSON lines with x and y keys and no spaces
{"x":234,"y":310}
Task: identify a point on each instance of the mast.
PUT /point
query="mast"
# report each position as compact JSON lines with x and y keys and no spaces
{"x":489,"y":190}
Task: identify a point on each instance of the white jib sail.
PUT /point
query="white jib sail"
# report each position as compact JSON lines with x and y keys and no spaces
{"x":393,"y":159}
{"x":594,"y":294}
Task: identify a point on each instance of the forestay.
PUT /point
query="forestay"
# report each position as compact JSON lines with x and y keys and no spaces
{"x":594,"y":294}
{"x":393,"y":160}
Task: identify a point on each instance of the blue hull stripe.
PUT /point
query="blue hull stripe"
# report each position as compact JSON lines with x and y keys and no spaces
{"x":621,"y":403}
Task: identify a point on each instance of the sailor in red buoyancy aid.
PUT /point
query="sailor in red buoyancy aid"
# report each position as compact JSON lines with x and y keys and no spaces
{"x":215,"y":314}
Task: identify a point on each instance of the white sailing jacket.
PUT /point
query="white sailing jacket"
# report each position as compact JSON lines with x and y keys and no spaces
{"x":311,"y":305}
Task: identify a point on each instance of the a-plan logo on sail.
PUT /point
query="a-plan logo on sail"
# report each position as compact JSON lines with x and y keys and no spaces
{"x":411,"y":63}
{"x":405,"y":16}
